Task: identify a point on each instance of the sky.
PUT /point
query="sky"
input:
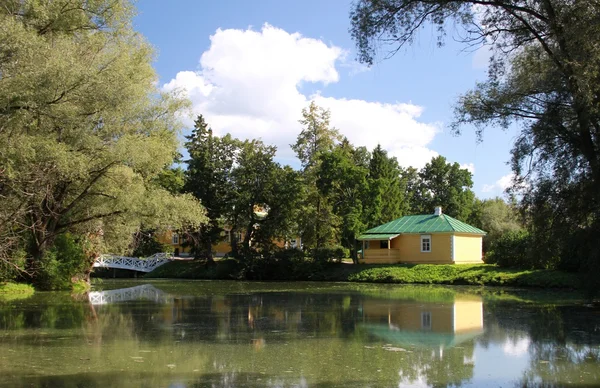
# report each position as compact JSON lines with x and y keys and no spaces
{"x":250,"y":67}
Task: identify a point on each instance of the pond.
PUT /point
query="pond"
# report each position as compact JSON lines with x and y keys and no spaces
{"x":232,"y":334}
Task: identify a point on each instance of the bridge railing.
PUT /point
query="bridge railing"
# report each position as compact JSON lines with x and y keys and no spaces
{"x":147,"y":264}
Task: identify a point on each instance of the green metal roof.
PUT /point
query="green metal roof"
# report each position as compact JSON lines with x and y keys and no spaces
{"x":429,"y":223}
{"x":379,"y":236}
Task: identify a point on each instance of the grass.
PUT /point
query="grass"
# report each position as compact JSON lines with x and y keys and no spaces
{"x":477,"y":274}
{"x":13,"y":291}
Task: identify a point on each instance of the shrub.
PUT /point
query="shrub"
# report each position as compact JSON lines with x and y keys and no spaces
{"x":513,"y":249}
{"x":330,"y":254}
{"x":62,"y":264}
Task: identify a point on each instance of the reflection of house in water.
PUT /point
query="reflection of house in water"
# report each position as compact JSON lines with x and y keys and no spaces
{"x":424,"y":324}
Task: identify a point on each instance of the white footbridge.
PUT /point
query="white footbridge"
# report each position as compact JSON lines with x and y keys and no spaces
{"x":143,"y":292}
{"x":147,"y":264}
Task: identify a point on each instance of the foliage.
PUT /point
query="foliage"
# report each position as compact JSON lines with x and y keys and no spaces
{"x":83,"y":132}
{"x":208,"y":178}
{"x":513,"y":249}
{"x":447,"y":185}
{"x":496,"y":217}
{"x":64,"y":264}
{"x":299,"y":268}
{"x":387,"y":198}
{"x":543,"y":75}
{"x":16,"y":288}
{"x":343,"y":181}
{"x":317,"y":223}
{"x":465,"y":274}
{"x":329,"y":254}
{"x":145,"y":244}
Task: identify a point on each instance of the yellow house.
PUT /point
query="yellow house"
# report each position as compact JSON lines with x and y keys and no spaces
{"x":423,"y":239}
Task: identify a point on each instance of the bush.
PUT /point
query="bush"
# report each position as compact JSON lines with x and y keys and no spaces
{"x":330,"y":254}
{"x":63,"y":264}
{"x":146,"y":244}
{"x":513,"y":249}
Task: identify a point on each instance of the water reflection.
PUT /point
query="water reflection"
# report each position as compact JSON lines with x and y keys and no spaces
{"x":220,"y":334}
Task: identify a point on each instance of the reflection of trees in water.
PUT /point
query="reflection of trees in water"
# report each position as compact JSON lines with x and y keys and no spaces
{"x":562,"y":342}
{"x":252,"y":339}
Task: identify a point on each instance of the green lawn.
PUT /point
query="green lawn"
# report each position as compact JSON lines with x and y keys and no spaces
{"x":477,"y":274}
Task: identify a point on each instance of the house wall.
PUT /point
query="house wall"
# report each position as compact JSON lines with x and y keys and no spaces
{"x":406,"y":248}
{"x":468,"y":248}
{"x":410,"y":249}
{"x":167,"y":239}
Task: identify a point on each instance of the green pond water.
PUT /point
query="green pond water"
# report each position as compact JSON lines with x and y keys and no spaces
{"x":237,"y":334}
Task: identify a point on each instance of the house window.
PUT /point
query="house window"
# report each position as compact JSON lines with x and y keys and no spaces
{"x":384,"y":244}
{"x":426,"y":320}
{"x":175,"y":239}
{"x":367,"y":244}
{"x":425,"y":243}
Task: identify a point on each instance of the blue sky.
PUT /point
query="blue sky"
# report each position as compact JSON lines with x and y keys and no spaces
{"x":250,"y":67}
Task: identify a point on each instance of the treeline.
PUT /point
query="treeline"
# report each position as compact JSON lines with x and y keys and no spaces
{"x":340,"y":191}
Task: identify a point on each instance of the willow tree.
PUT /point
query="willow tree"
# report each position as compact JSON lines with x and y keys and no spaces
{"x":544,"y":75}
{"x":83,"y":129}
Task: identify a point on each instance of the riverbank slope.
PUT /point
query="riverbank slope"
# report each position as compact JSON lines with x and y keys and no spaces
{"x":478,"y":274}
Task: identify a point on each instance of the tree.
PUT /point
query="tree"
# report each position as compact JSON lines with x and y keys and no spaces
{"x":83,"y":128}
{"x":544,"y":75}
{"x":316,"y":138}
{"x":496,"y":217}
{"x":208,"y":178}
{"x":344,"y":183}
{"x":447,"y":185}
{"x":265,"y":197}
{"x":387,"y":189}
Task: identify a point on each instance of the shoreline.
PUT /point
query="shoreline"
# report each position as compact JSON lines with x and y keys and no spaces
{"x":458,"y":274}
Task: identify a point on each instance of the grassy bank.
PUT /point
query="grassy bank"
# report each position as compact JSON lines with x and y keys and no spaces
{"x":12,"y":291}
{"x":479,"y":274}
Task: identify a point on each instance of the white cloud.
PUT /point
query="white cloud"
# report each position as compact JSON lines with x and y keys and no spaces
{"x":248,"y":84}
{"x":468,"y":166}
{"x":500,"y":185}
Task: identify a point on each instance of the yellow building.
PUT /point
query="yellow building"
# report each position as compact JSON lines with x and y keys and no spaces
{"x":423,"y":239}
{"x":220,"y":249}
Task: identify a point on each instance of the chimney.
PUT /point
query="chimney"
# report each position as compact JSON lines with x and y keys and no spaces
{"x":438,"y":211}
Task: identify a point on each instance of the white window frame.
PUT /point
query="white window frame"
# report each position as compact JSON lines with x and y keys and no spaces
{"x":175,"y":239}
{"x":425,"y":237}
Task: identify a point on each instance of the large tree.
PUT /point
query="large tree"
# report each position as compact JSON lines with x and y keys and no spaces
{"x":387,"y":189}
{"x":343,"y":181}
{"x":265,"y":197}
{"x":83,"y":128}
{"x":544,"y":74}
{"x":316,"y":138}
{"x":208,"y":178}
{"x":447,"y":185}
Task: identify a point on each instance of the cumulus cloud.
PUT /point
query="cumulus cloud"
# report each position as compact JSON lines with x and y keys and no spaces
{"x":500,"y":185}
{"x":468,"y":166}
{"x":249,"y":84}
